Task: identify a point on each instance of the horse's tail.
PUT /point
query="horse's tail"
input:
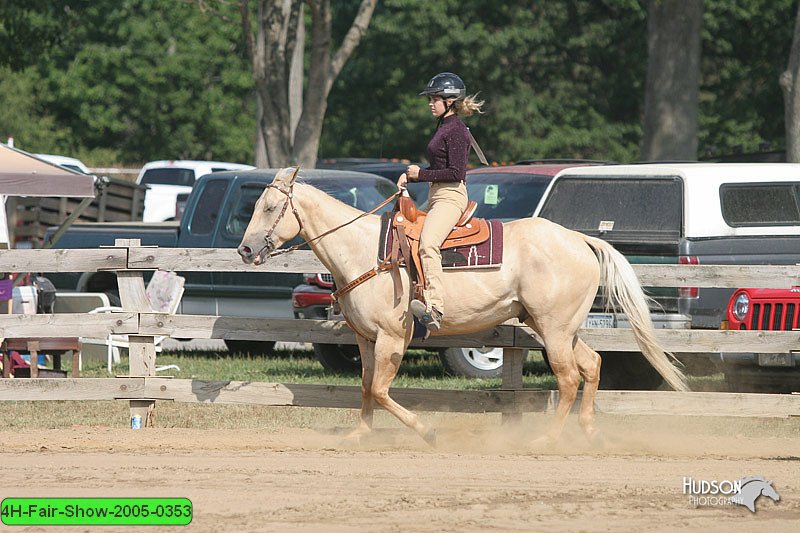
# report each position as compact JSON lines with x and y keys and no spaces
{"x":622,"y":289}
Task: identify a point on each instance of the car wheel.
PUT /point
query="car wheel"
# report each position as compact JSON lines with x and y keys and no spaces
{"x":250,"y":347}
{"x":628,"y":371}
{"x":339,"y":358}
{"x":473,"y":362}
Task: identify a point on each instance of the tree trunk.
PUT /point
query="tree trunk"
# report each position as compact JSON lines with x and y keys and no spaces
{"x":673,"y":79}
{"x":791,"y":97}
{"x":291,"y":126}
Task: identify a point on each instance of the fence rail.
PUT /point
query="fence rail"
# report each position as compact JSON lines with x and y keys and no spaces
{"x":129,"y":261}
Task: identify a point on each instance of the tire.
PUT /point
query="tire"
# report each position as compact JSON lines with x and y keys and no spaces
{"x":339,"y":358}
{"x":628,"y":371}
{"x":472,"y":362}
{"x":250,"y":347}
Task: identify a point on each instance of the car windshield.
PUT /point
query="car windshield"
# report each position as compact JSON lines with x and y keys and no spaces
{"x":362,"y":194}
{"x":505,"y":195}
{"x":168,"y":176}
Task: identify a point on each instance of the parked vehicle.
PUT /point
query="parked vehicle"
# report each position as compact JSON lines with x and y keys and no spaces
{"x":219,"y":208}
{"x":69,"y":163}
{"x":768,"y":310}
{"x":506,"y":193}
{"x":167,"y":180}
{"x":701,"y":213}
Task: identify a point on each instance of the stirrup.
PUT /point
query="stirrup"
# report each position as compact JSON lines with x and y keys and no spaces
{"x":432,"y":319}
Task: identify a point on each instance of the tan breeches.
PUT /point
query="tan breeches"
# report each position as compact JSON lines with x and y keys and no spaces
{"x":447,"y":203}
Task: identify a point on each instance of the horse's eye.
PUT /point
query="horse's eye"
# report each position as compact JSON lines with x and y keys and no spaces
{"x":269,"y":208}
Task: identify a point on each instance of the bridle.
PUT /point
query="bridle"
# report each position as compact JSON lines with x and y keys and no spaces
{"x":289,"y":193}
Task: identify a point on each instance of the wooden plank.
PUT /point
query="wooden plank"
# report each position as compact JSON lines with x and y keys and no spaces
{"x":67,"y":325}
{"x":219,"y":260}
{"x":61,"y":260}
{"x":697,"y":404}
{"x":216,"y":259}
{"x":336,"y":396}
{"x":295,"y":330}
{"x":47,"y":389}
{"x":680,"y":340}
{"x":768,"y":276}
{"x":141,"y":348}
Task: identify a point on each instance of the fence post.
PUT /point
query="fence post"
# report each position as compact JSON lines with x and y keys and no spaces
{"x":142,"y":349}
{"x":512,"y":379}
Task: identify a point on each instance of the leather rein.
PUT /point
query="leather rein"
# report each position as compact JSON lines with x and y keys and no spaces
{"x":290,"y":202}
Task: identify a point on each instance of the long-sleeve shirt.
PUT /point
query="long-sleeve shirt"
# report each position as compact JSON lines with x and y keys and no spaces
{"x":448,"y":151}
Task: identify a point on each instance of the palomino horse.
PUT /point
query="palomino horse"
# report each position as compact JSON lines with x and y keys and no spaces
{"x":548,"y":279}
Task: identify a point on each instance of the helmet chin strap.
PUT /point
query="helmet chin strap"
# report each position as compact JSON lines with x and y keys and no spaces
{"x":447,"y":108}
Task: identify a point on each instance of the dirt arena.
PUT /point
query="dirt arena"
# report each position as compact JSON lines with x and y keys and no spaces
{"x":483,"y":476}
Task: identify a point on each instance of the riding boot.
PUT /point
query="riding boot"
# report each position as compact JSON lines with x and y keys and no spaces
{"x":430,"y":318}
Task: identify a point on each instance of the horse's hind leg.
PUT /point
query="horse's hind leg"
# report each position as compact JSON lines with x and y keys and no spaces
{"x":589,"y":363}
{"x":388,"y":356}
{"x":561,"y":356}
{"x":367,"y":350}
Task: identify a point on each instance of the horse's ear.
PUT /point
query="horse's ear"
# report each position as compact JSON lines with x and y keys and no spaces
{"x":294,"y":174}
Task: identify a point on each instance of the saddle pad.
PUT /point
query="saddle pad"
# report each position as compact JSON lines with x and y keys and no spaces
{"x":487,"y":254}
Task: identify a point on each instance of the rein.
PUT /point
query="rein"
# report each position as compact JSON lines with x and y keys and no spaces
{"x":290,"y":200}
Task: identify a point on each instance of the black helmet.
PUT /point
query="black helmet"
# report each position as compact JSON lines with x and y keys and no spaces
{"x":446,"y":85}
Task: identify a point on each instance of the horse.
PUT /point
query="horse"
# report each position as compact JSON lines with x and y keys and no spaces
{"x":548,"y":279}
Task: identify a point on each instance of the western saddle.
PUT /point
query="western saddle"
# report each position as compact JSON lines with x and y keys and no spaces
{"x":406,"y":228}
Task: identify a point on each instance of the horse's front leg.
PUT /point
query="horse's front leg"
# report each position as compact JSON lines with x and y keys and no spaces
{"x":367,"y":350}
{"x":389,"y":350}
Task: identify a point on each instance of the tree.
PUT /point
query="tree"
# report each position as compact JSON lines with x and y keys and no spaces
{"x":673,"y":79}
{"x":790,"y":84}
{"x":271,"y":50}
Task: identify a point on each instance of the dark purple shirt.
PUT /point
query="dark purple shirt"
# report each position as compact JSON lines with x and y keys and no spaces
{"x":448,"y":151}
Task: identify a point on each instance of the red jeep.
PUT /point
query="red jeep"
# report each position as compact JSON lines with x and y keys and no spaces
{"x":763,"y":309}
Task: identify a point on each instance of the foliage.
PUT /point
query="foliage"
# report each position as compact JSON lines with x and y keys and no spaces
{"x":135,"y":80}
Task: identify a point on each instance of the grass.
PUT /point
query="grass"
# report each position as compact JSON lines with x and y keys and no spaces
{"x":420,"y":368}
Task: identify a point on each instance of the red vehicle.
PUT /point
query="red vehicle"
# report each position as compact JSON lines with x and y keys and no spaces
{"x":770,"y":310}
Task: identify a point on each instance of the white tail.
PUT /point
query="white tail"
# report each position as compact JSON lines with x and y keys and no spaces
{"x":622,"y":289}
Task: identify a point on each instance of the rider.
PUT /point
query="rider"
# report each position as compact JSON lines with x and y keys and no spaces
{"x":448,"y":151}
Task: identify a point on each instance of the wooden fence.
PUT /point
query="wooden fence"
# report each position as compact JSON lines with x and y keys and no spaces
{"x":141,"y":388}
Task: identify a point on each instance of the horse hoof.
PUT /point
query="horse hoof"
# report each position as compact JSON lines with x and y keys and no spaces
{"x":430,"y":437}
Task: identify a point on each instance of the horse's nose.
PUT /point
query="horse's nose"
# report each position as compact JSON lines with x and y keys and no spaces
{"x":246,"y":252}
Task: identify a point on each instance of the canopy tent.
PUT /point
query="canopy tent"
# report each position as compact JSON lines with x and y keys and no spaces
{"x":22,"y":174}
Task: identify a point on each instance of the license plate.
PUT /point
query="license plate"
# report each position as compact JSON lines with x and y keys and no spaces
{"x":596,"y":320}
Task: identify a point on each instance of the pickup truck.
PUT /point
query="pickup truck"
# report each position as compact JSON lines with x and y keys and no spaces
{"x":694,"y":213}
{"x":217,"y":213}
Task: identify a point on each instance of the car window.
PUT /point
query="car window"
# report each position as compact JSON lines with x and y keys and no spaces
{"x":208,"y":205}
{"x":617,"y":207}
{"x":504,"y":195}
{"x":359,"y":193}
{"x":168,"y":176}
{"x":758,"y":204}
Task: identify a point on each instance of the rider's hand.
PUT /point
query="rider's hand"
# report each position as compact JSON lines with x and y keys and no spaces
{"x":402,"y":181}
{"x":413,"y":172}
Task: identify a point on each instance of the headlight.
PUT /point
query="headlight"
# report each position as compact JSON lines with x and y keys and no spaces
{"x":741,"y":306}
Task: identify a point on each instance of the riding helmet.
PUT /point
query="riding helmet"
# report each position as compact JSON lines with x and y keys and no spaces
{"x":446,"y":85}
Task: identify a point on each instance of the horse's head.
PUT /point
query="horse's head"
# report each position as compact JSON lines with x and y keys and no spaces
{"x":769,"y":491}
{"x":272,"y":223}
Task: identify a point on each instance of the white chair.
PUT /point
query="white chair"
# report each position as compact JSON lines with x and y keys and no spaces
{"x":164,"y":291}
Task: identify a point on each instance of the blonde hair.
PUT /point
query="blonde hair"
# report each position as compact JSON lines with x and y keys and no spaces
{"x":468,"y":106}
